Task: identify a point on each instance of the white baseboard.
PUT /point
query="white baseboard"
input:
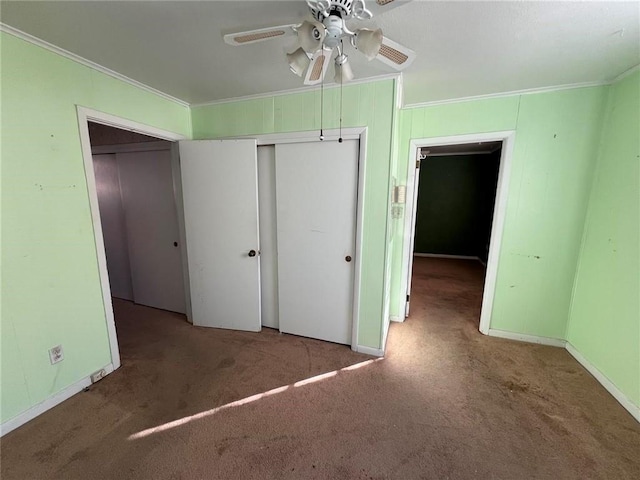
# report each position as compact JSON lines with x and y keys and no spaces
{"x":395,"y":318}
{"x":48,"y":403}
{"x":376,"y":352}
{"x":522,"y":337}
{"x":628,"y":405}
{"x":384,"y":338}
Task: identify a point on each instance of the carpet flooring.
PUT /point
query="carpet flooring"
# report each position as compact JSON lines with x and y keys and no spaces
{"x":445,"y":403}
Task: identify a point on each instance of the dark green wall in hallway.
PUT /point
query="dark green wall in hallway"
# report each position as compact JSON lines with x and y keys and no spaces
{"x":455,"y":204}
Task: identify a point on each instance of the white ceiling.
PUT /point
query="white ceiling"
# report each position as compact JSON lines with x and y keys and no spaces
{"x":464,"y":48}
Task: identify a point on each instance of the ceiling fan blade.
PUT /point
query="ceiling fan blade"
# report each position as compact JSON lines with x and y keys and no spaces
{"x":260,"y":34}
{"x":385,"y":3}
{"x":395,"y":55}
{"x":318,"y":67}
{"x":378,"y":7}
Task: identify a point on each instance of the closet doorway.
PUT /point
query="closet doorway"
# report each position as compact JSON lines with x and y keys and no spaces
{"x":139,"y":218}
{"x":295,"y":264}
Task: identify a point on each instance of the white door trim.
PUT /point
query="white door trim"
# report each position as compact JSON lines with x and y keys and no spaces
{"x":332,"y":135}
{"x":508,"y":139}
{"x":85,"y":115}
{"x":412,"y":195}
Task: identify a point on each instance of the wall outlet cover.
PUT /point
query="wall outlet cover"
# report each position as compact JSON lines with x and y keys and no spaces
{"x":56,"y":354}
{"x":99,"y":375}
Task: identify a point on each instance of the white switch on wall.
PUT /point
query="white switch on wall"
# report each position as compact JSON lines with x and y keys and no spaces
{"x":55,"y":354}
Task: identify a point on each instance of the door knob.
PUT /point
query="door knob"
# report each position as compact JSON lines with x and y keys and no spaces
{"x":348,"y":258}
{"x":252,"y":253}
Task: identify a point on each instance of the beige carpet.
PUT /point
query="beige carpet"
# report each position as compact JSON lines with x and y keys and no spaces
{"x":445,"y":403}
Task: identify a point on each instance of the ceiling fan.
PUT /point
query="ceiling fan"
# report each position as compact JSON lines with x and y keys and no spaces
{"x":327,"y":32}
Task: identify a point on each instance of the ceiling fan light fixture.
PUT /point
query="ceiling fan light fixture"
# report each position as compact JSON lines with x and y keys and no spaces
{"x":298,"y":61}
{"x":344,"y":73}
{"x":369,"y":42}
{"x":324,"y":33}
{"x":311,"y":35}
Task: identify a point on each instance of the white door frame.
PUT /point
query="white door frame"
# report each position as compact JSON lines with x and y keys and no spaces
{"x":354,"y":133}
{"x":412,"y":190}
{"x":500,"y":208}
{"x":89,"y":115}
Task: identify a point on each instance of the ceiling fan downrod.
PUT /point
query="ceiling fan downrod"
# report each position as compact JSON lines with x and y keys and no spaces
{"x":332,"y":14}
{"x":347,"y":9}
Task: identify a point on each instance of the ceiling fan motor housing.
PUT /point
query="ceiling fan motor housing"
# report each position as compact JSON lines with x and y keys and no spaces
{"x":333,"y":14}
{"x":321,"y":36}
{"x":320,"y":9}
{"x":335,"y":28}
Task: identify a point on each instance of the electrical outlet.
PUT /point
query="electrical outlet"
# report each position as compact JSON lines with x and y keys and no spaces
{"x":56,"y":354}
{"x":99,"y":375}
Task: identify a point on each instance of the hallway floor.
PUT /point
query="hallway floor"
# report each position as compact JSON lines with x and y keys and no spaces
{"x":445,"y":403}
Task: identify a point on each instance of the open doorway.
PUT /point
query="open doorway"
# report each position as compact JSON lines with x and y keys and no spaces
{"x":139,"y":217}
{"x":456,"y":203}
{"x":133,"y":181}
{"x":135,"y":186}
{"x":456,"y":195}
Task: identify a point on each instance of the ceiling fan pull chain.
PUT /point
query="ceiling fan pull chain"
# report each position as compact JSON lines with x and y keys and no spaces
{"x":341,"y":51}
{"x":322,"y":97}
{"x":326,"y":28}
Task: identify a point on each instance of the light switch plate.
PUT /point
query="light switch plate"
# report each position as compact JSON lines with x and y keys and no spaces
{"x":56,"y":354}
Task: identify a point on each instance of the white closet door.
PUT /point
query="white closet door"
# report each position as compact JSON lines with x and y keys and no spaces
{"x":220,"y":192}
{"x":152,"y":229}
{"x":316,"y":185}
{"x":105,"y":167}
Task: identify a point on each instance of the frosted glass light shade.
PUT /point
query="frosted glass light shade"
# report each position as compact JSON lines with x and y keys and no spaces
{"x":343,"y":70}
{"x":369,"y":42}
{"x":311,"y":35}
{"x":298,"y":61}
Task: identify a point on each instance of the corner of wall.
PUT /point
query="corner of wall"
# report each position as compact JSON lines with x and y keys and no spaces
{"x":597,"y":154}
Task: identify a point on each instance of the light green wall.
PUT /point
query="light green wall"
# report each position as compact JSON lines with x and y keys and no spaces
{"x":604,"y":324}
{"x":50,"y":285}
{"x":555,"y":149}
{"x":369,"y":105}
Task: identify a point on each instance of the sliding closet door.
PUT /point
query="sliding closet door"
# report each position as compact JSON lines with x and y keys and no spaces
{"x":316,"y":185}
{"x":151,"y":217}
{"x":114,"y":230}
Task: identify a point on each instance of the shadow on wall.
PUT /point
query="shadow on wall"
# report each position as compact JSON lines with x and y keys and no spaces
{"x":105,"y":135}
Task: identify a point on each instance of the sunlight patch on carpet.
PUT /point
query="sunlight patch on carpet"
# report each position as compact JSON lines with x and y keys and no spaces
{"x":207,"y":413}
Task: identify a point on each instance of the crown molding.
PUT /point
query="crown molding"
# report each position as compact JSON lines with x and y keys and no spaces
{"x":87,"y":63}
{"x":528,"y":91}
{"x":625,"y":74}
{"x":292,"y":91}
{"x":393,"y":76}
